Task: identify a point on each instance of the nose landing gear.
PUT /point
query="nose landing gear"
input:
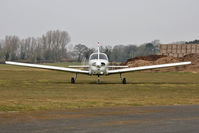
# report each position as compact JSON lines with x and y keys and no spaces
{"x":98,"y":80}
{"x":123,"y":79}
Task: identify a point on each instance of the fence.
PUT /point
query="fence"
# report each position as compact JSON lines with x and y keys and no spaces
{"x":178,"y":50}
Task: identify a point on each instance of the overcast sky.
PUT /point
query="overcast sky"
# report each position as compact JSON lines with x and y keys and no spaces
{"x":108,"y":21}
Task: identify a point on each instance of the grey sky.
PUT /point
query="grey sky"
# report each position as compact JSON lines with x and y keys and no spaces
{"x":108,"y":21}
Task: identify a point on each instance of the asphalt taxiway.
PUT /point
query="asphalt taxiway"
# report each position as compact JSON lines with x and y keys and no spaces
{"x":150,"y":119}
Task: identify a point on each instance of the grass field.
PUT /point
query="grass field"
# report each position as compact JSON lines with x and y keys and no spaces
{"x":28,"y":89}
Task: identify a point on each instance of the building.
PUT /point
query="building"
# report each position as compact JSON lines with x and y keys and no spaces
{"x":178,"y":50}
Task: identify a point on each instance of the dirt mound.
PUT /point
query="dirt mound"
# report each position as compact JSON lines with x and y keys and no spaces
{"x":147,"y":58}
{"x":138,"y":63}
{"x":194,"y":67}
{"x":167,"y":59}
{"x":162,"y":59}
{"x":194,"y":58}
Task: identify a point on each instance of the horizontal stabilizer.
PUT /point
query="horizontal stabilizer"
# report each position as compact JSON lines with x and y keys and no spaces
{"x":117,"y":66}
{"x":79,"y":66}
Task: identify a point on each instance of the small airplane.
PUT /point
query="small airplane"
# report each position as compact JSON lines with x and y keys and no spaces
{"x":98,"y":65}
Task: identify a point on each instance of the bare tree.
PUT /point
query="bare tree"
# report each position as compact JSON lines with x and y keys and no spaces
{"x":80,"y":51}
{"x":23,"y":50}
{"x":11,"y":47}
{"x":121,"y":53}
{"x":130,"y":51}
{"x":117,"y":53}
{"x":1,"y":50}
{"x":107,"y":50}
{"x":54,"y":44}
{"x":88,"y":52}
{"x":27,"y":49}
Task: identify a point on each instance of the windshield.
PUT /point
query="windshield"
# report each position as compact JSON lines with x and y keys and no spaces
{"x":95,"y":56}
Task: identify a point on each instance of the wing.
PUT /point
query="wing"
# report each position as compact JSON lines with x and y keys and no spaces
{"x":147,"y":67}
{"x":48,"y":67}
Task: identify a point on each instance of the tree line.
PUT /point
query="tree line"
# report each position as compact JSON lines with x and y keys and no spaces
{"x":192,"y":42}
{"x":52,"y":47}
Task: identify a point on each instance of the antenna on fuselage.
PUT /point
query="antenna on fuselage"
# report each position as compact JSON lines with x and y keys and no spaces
{"x":98,"y":51}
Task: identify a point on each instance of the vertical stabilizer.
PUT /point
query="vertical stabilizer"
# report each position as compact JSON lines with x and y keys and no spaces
{"x":98,"y":50}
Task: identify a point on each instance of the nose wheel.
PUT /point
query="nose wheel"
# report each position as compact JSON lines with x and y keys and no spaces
{"x":98,"y":80}
{"x":123,"y":79}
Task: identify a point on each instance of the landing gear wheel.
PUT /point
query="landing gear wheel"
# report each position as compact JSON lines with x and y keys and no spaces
{"x":124,"y":80}
{"x":72,"y":80}
{"x":98,"y":80}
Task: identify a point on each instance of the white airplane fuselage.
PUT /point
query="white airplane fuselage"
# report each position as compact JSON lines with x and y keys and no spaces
{"x":98,"y":67}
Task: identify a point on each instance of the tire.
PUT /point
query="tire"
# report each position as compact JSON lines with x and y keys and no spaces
{"x":72,"y":80}
{"x":124,"y":80}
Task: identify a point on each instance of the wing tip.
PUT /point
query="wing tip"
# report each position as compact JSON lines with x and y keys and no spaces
{"x":7,"y":62}
{"x":188,"y":62}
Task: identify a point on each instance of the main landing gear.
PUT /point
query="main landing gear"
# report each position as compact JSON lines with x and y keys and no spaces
{"x":74,"y":78}
{"x":98,"y":80}
{"x":123,"y":79}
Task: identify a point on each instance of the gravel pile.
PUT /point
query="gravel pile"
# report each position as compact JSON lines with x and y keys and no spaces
{"x":162,"y":59}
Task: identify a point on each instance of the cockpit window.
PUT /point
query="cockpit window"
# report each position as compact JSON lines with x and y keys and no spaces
{"x":95,"y":56}
{"x":103,"y":56}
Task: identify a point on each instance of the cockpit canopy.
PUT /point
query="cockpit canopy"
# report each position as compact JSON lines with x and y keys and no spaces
{"x":101,"y":56}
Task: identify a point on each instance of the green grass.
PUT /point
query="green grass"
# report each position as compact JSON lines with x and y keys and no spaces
{"x":25,"y":89}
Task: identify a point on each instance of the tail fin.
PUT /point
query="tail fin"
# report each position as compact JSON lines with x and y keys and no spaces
{"x":98,"y":51}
